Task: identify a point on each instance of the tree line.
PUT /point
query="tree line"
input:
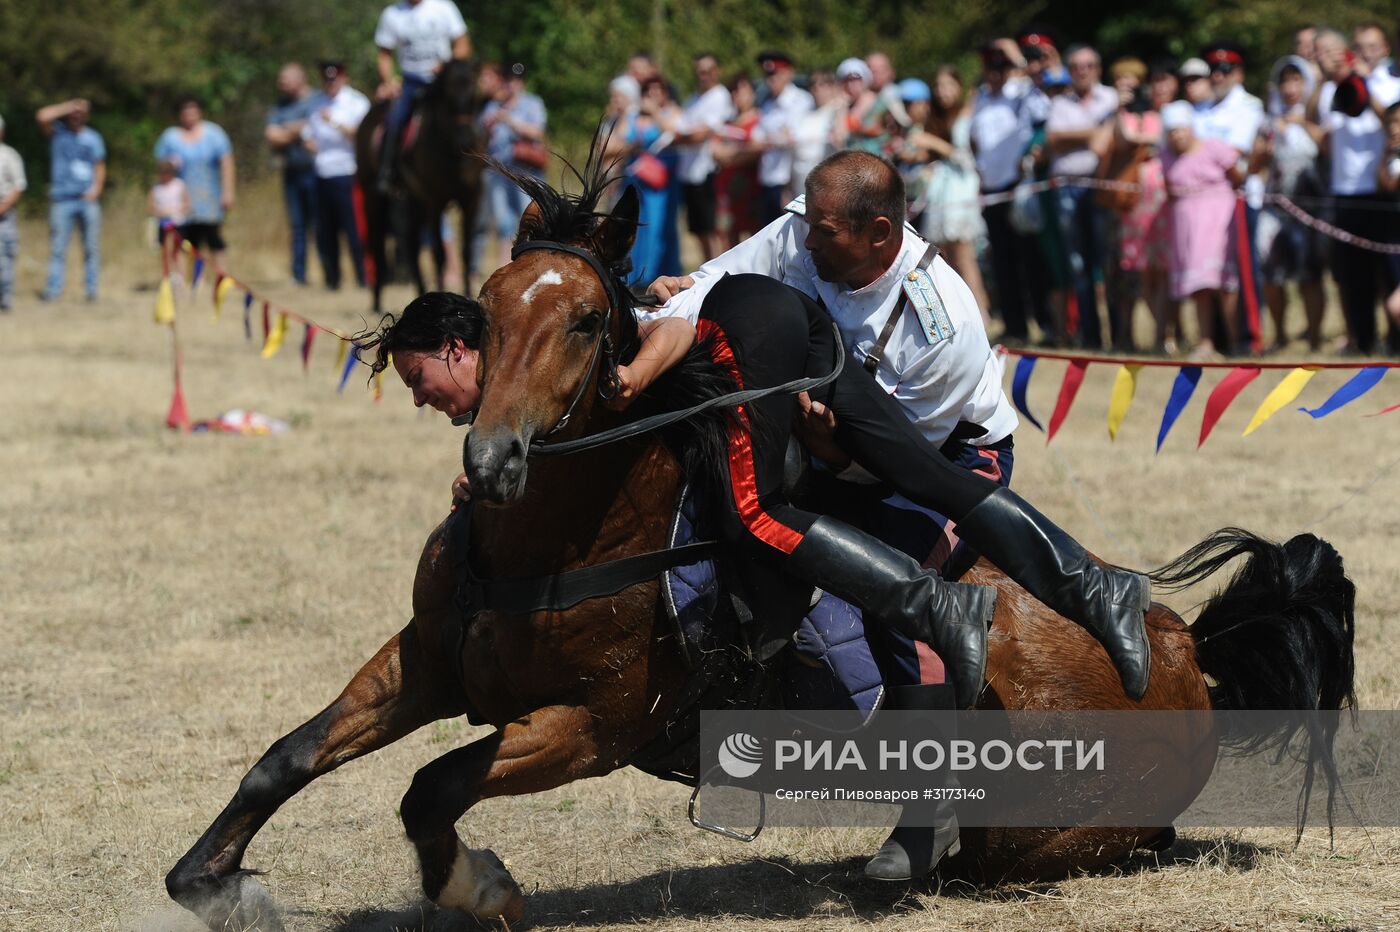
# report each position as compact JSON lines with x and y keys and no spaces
{"x":134,"y":58}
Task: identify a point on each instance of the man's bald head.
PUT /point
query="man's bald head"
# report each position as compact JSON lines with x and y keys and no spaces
{"x":864,"y":185}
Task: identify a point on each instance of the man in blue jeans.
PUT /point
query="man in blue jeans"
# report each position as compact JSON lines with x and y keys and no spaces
{"x":78,"y":174}
{"x":285,"y":122}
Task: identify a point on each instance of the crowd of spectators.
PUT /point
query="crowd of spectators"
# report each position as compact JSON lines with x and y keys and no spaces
{"x":1082,"y":190}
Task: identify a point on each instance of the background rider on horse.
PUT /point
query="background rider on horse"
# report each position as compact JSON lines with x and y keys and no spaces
{"x":420,"y":36}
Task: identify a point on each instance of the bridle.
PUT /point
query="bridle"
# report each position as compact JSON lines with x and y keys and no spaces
{"x":621,"y":300}
{"x":602,"y":348}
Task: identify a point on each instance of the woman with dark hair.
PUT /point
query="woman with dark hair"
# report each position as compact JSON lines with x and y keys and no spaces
{"x":736,"y":185}
{"x":203,"y":155}
{"x":434,"y":346}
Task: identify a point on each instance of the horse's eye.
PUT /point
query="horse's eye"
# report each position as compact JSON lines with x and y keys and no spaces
{"x":587,"y":324}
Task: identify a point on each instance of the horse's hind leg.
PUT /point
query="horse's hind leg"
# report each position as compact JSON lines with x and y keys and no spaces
{"x":547,"y":748}
{"x":395,"y":693}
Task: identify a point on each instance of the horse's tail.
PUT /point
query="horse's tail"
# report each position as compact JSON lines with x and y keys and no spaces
{"x":1277,"y":637}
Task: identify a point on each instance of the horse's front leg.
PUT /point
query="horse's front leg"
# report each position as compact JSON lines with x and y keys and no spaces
{"x":399,"y":690}
{"x":547,"y":748}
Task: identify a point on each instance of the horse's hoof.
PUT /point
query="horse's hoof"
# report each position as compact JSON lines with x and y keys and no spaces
{"x":239,"y":901}
{"x":479,"y":884}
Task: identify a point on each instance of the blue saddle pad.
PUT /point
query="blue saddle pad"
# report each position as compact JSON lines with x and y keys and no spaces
{"x":834,"y":666}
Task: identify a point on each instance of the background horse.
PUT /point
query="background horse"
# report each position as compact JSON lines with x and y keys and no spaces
{"x":579,"y":692}
{"x":442,"y":166}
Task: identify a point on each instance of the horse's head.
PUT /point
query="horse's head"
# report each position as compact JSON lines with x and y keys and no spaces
{"x":554,"y":329}
{"x":454,"y":91}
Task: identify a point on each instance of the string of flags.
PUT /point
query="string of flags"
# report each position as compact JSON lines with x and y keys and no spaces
{"x":1188,"y":376}
{"x":276,"y":323}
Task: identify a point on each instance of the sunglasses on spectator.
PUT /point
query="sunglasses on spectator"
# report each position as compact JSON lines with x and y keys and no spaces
{"x":1222,"y":67}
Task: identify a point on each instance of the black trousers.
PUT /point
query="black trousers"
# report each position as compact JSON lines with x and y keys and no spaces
{"x":1358,"y":271}
{"x":335,"y":214}
{"x":768,"y":333}
{"x":1018,"y":268}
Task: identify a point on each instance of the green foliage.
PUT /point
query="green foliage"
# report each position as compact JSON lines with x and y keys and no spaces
{"x":133,"y":58}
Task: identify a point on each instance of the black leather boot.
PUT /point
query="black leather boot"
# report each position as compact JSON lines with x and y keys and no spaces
{"x":950,"y":617}
{"x":388,"y":159}
{"x":1108,"y":602}
{"x":912,"y":852}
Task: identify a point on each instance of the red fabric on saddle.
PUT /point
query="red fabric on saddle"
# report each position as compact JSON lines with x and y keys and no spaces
{"x":760,"y":523}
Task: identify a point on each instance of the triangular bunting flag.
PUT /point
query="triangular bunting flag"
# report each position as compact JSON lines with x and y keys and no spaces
{"x":342,"y":350}
{"x":267,"y":320}
{"x":1019,"y":380}
{"x":221,"y":289}
{"x":378,"y":386}
{"x":1224,"y":393}
{"x":165,"y":303}
{"x":306,"y":346}
{"x":1182,"y":389}
{"x":196,"y":273}
{"x":178,"y":418}
{"x":1385,"y":410}
{"x":1282,"y":394}
{"x":247,"y":315}
{"x":275,"y":338}
{"x":1352,"y":389}
{"x":351,"y":358}
{"x":1074,"y":377}
{"x":1124,"y":386}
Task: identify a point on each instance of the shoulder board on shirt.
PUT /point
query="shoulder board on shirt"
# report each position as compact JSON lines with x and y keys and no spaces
{"x":928,"y":305}
{"x":797,"y":205}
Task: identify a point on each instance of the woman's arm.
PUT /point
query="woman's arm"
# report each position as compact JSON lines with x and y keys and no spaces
{"x":665,"y":342}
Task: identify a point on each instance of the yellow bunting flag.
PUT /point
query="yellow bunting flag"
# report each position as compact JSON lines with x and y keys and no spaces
{"x":221,"y":291}
{"x":165,"y":303}
{"x":1122,"y":398}
{"x":342,"y":350}
{"x":1282,"y":394}
{"x":275,"y":336}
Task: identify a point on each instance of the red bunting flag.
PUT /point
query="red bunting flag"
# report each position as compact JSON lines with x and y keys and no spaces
{"x":267,"y":320}
{"x":1386,"y":411}
{"x":1224,"y":393}
{"x":1074,"y":377}
{"x":306,"y":346}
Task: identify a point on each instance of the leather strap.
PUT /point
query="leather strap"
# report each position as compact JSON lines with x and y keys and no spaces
{"x":877,"y":352}
{"x":567,"y":589}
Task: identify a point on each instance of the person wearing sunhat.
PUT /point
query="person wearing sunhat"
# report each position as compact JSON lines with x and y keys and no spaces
{"x":330,"y":135}
{"x":1194,"y":75}
{"x":865,"y":111}
{"x":774,"y":136}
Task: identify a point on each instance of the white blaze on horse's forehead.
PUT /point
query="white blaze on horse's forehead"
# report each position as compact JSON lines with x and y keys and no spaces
{"x":549,"y":277}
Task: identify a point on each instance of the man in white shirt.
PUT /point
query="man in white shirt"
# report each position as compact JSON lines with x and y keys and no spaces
{"x":330,"y":133}
{"x":704,"y":115}
{"x":422,"y":35}
{"x":12,"y":186}
{"x":931,"y":378}
{"x":1080,"y":126}
{"x":1349,"y":107}
{"x":1001,"y":134}
{"x":774,"y":134}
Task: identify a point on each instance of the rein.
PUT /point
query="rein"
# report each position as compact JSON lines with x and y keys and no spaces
{"x":619,"y":301}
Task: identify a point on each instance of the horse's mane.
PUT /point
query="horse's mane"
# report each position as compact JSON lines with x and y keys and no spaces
{"x":700,"y":442}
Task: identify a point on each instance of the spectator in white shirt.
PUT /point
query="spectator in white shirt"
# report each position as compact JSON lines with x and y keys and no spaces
{"x":705,"y":113}
{"x":1001,"y":134}
{"x":330,"y":134}
{"x":12,"y":186}
{"x":1349,"y":107}
{"x":777,"y":124}
{"x":1079,"y":130}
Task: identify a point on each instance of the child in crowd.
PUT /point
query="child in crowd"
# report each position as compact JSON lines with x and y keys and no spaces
{"x":169,"y":203}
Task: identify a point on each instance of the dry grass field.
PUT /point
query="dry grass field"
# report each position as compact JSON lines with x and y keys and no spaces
{"x":170,"y":604}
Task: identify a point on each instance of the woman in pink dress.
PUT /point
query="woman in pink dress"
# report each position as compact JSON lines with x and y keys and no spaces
{"x":1201,"y":176}
{"x":1144,"y":249}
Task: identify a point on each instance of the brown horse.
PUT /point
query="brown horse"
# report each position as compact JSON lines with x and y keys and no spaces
{"x":579,"y":692}
{"x":443,"y":166}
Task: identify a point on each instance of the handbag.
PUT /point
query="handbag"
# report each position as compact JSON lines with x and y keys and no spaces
{"x":650,"y":171}
{"x":1026,"y":215}
{"x":530,"y":152}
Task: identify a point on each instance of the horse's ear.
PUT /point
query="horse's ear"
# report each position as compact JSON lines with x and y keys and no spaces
{"x":531,"y":217}
{"x":613,"y":239}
